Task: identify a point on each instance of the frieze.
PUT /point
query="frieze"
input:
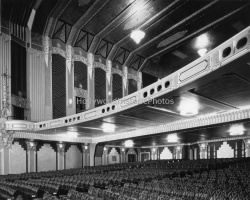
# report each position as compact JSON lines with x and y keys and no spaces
{"x":80,"y":58}
{"x":100,"y":65}
{"x":116,"y":71}
{"x":58,"y":50}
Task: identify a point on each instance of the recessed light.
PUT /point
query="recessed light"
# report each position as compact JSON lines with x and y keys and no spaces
{"x":129,"y":143}
{"x":202,"y":41}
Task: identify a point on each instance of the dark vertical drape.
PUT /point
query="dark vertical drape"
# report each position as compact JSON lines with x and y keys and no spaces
{"x":117,"y":86}
{"x":100,"y":87}
{"x":132,"y":86}
{"x":58,"y":86}
{"x":18,"y":69}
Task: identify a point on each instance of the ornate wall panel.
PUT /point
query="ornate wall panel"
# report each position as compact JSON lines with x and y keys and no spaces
{"x":46,"y":158}
{"x":17,"y":159}
{"x":73,"y":157}
{"x":166,"y":154}
{"x":113,"y":157}
{"x":58,"y":86}
{"x":225,"y":151}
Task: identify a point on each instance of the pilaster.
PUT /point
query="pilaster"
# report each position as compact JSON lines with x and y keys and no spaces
{"x":31,"y":155}
{"x":247,"y":147}
{"x":70,"y":99}
{"x":154,"y":153}
{"x":125,"y":81}
{"x":60,"y":156}
{"x":123,"y":155}
{"x":85,"y":155}
{"x":178,"y":152}
{"x":139,"y":81}
{"x":109,"y":88}
{"x":92,"y":154}
{"x":48,"y":77}
{"x":91,"y":82}
{"x":203,"y":150}
{"x":105,"y":156}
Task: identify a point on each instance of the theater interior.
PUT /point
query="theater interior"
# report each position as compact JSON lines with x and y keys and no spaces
{"x":124,"y":100}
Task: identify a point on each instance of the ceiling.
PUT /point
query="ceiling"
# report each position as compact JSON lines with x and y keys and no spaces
{"x":174,"y":29}
{"x":103,"y":27}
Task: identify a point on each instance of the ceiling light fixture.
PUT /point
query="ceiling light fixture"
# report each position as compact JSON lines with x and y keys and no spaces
{"x":129,"y":143}
{"x":188,"y":108}
{"x":202,"y":52}
{"x":172,"y":138}
{"x":236,"y":129}
{"x":108,"y":128}
{"x":202,"y":41}
{"x":137,"y":35}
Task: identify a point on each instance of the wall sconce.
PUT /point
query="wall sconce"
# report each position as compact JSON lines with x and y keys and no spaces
{"x":86,"y":147}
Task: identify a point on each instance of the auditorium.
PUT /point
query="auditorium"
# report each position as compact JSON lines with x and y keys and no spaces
{"x":124,"y":100}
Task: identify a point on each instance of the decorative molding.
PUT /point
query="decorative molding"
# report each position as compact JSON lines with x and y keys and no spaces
{"x":100,"y":65}
{"x":6,"y":139}
{"x":58,"y":50}
{"x":80,"y":58}
{"x":48,"y":137}
{"x":117,"y":71}
{"x":19,"y":101}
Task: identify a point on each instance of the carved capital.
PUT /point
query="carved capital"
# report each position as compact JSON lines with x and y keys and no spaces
{"x":60,"y":147}
{"x":31,"y":145}
{"x":6,"y":138}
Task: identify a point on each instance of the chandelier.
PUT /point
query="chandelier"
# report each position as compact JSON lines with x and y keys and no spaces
{"x":137,"y":35}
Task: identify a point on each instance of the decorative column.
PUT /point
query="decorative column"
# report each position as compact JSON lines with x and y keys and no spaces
{"x":247,"y":147}
{"x":105,"y":156}
{"x":85,"y":155}
{"x":70,"y":99}
{"x":109,"y":93}
{"x":154,"y":153}
{"x":203,"y":150}
{"x":139,"y":82}
{"x":48,"y":77}
{"x":125,"y":81}
{"x":31,"y":155}
{"x":5,"y":72}
{"x":178,"y":152}
{"x":60,"y":156}
{"x":123,"y":155}
{"x":6,"y":139}
{"x":92,"y":154}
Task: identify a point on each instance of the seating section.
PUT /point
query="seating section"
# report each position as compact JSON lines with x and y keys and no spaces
{"x":211,"y":179}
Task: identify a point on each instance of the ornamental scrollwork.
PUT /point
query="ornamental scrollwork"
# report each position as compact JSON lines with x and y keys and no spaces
{"x":6,"y":138}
